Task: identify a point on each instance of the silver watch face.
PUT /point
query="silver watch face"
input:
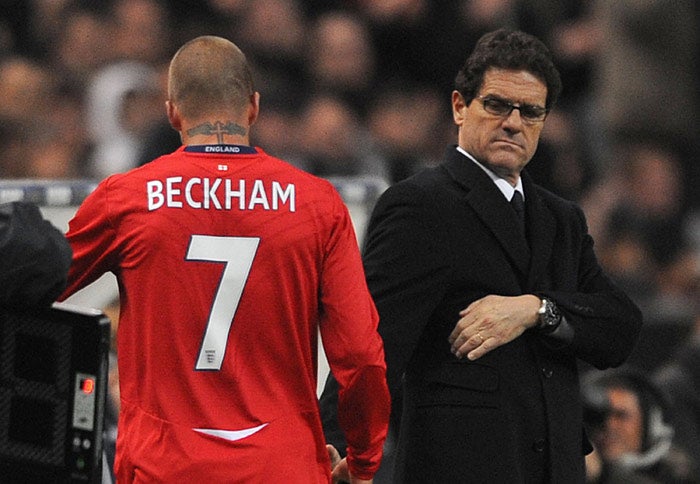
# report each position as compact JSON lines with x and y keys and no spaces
{"x":549,"y":314}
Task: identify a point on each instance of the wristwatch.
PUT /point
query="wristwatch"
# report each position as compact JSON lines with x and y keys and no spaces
{"x":549,"y":316}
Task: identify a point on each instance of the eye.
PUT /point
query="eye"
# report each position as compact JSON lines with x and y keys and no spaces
{"x":532,"y":112}
{"x":497,"y":106}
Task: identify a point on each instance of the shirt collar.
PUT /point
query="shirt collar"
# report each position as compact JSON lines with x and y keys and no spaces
{"x":506,"y":188}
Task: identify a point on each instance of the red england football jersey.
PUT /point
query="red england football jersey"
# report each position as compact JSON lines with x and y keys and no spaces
{"x":228,"y":262}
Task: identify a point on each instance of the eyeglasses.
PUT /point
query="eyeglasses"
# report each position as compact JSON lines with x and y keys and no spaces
{"x":529,"y":113}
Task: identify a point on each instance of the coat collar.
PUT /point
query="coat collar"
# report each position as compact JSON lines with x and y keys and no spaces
{"x":496,"y":214}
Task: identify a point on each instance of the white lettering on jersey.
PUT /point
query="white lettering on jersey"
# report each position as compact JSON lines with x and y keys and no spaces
{"x":154,"y":190}
{"x":172,"y":191}
{"x":258,"y":197}
{"x":210,"y":192}
{"x":239,"y":194}
{"x":188,"y":193}
{"x":219,"y":194}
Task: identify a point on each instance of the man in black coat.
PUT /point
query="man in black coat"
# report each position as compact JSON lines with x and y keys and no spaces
{"x":484,"y":319}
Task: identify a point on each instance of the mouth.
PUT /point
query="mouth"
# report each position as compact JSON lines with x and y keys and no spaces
{"x":508,"y":143}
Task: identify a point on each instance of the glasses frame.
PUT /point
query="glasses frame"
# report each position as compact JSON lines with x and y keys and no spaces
{"x":510,"y":106}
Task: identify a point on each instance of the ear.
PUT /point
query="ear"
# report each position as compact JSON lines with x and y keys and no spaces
{"x":253,"y":108}
{"x":173,"y":115}
{"x":459,"y":108}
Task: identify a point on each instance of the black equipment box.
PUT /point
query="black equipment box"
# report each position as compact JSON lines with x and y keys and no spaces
{"x":53,"y":389}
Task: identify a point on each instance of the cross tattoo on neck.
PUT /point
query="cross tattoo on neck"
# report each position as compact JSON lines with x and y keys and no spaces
{"x":219,"y":129}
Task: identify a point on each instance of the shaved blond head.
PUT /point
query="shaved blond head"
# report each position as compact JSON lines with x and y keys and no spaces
{"x":209,"y":75}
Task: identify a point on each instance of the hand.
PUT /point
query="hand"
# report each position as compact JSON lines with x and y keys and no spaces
{"x":492,"y":321}
{"x":340,"y":470}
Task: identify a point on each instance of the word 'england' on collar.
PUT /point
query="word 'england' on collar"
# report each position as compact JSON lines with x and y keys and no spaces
{"x":233,"y":149}
{"x":506,"y":188}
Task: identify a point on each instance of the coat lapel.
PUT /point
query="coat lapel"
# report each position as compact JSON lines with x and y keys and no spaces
{"x":490,"y":206}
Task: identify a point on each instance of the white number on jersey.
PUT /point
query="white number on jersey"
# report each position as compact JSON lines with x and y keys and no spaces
{"x":237,"y":254}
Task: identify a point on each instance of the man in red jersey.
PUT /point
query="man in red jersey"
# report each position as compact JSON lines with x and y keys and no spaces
{"x":228,"y":262}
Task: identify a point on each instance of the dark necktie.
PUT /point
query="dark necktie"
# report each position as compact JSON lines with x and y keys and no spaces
{"x":519,"y":207}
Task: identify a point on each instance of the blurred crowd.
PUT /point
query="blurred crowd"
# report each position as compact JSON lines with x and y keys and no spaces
{"x":361,"y":88}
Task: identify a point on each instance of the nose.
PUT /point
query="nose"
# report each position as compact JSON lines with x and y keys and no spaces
{"x":513,"y":122}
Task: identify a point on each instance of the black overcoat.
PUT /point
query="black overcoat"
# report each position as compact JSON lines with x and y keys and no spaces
{"x":437,"y":242}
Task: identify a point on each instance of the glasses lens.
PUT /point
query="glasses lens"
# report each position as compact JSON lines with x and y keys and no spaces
{"x":533,"y":113}
{"x":496,"y":106}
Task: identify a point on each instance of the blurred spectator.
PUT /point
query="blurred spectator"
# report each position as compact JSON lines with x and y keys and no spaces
{"x":637,"y":433}
{"x":646,"y":69}
{"x":49,"y":156}
{"x":639,"y":211}
{"x":272,"y":34}
{"x":424,"y":41}
{"x":142,"y":31}
{"x":680,"y":379}
{"x":13,"y":147}
{"x":563,"y":162}
{"x":332,"y":142}
{"x":75,"y":40}
{"x":573,"y":34}
{"x":596,"y":409}
{"x":341,"y":58}
{"x":42,"y":136}
{"x":653,"y":198}
{"x":273,"y":127}
{"x":123,"y":102}
{"x":192,"y":18}
{"x":405,"y":120}
{"x":14,"y":34}
{"x":24,"y":86}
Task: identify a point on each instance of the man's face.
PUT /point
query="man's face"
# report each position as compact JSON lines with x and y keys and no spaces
{"x":504,"y":143}
{"x":623,"y":429}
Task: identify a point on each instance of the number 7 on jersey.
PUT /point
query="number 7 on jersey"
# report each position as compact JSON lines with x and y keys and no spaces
{"x":237,"y":254}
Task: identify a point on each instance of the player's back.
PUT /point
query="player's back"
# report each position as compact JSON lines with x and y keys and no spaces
{"x":221,"y":260}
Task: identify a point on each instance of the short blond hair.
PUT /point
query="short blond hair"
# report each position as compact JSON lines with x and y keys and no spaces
{"x":209,"y":74}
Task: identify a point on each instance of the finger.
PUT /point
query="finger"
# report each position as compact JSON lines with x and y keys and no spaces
{"x":489,"y":344}
{"x":460,"y":326}
{"x":458,"y":338}
{"x":460,"y":349}
{"x":333,"y":454}
{"x":454,"y":335}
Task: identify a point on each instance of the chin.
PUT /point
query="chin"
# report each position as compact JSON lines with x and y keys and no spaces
{"x":506,"y":166}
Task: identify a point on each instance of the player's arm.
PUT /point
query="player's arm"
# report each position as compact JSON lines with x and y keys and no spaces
{"x":92,"y":239}
{"x":354,"y":350}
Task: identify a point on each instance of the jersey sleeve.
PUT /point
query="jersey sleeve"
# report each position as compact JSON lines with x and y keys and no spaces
{"x":354,"y":348}
{"x":92,"y":239}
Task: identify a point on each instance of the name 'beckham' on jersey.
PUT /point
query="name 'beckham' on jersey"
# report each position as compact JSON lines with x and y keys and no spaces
{"x":219,"y":193}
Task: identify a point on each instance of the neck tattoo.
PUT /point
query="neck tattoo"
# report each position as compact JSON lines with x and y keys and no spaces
{"x":219,"y":129}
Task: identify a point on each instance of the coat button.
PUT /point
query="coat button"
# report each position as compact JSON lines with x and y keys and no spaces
{"x":547,"y":372}
{"x":538,"y":445}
